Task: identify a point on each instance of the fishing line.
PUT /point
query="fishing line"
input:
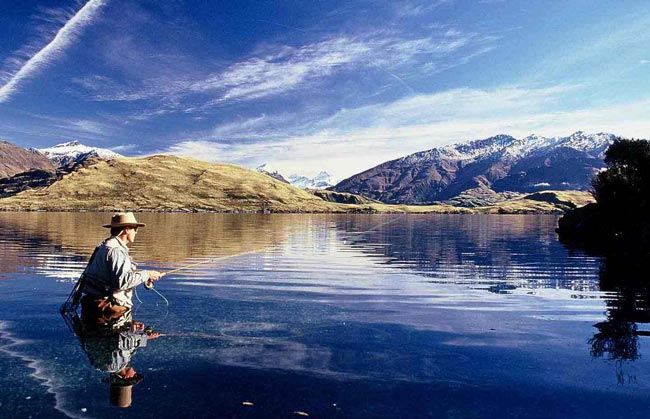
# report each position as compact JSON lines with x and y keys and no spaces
{"x":376,"y":226}
{"x":135,"y":291}
{"x":161,"y":296}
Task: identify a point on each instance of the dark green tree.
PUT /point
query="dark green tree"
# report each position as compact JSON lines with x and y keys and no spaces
{"x":622,"y":190}
{"x":620,"y":218}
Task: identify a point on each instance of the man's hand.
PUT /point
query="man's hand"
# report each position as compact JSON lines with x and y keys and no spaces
{"x":155,"y":275}
{"x":153,"y":335}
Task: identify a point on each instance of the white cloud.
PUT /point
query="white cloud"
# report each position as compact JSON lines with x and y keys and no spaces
{"x":274,"y":70}
{"x":355,"y":140}
{"x":282,"y":71}
{"x":50,"y":52}
{"x":644,"y":62}
{"x":86,"y":126}
{"x":124,"y":147}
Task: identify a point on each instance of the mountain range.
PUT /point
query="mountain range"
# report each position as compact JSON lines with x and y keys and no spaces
{"x":485,"y":170}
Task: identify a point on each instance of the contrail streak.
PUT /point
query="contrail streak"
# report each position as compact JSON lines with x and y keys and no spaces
{"x":63,"y":38}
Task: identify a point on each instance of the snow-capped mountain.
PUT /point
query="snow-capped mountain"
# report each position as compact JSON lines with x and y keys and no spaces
{"x":595,"y":144}
{"x":322,"y":180}
{"x":74,"y":152}
{"x":502,"y":163}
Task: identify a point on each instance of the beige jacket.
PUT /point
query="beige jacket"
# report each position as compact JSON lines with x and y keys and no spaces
{"x":112,"y":274}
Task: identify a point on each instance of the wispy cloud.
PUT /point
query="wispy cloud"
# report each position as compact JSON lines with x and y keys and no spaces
{"x":64,"y":37}
{"x":418,"y":8}
{"x":591,"y":57}
{"x":275,"y":70}
{"x":354,"y":140}
{"x":284,"y":70}
{"x":49,"y":130}
{"x":291,"y":67}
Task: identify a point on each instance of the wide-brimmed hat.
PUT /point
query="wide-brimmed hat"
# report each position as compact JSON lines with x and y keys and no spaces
{"x":123,"y":219}
{"x":121,"y":389}
{"x":120,"y":396}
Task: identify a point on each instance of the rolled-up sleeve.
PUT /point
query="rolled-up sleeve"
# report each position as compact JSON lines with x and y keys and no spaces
{"x":124,"y":277}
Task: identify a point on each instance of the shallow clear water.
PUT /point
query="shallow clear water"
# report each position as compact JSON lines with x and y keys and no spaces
{"x":331,"y":316}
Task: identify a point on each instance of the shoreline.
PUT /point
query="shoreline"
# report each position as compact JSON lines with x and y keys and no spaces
{"x":458,"y":211}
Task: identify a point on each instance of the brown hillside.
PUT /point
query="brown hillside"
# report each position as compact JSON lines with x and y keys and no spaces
{"x":15,"y":159}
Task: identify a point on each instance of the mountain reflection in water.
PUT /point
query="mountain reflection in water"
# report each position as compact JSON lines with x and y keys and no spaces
{"x":333,"y":315}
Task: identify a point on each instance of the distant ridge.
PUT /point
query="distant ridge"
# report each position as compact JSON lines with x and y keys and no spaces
{"x":499,"y":164}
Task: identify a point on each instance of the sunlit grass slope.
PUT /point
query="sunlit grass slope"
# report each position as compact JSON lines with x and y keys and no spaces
{"x":166,"y":183}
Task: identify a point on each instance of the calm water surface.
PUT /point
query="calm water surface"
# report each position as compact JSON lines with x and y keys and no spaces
{"x":331,"y":316}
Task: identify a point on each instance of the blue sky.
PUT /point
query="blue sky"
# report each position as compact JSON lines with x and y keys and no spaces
{"x":318,"y":85}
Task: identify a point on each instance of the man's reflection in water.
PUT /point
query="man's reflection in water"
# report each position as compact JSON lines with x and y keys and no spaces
{"x":618,"y":336}
{"x":110,"y":339}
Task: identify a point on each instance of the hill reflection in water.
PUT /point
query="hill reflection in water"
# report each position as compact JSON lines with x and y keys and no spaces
{"x":60,"y":243}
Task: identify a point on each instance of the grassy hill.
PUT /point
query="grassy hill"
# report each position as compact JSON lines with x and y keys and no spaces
{"x":166,"y":183}
{"x":169,"y":183}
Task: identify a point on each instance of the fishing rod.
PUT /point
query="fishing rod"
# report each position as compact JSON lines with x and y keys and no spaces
{"x":191,"y":265}
{"x":150,"y":284}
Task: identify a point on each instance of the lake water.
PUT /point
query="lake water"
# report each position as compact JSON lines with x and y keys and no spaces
{"x":331,"y":316}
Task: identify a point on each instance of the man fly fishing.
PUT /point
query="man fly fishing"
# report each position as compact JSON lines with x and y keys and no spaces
{"x":109,"y":278}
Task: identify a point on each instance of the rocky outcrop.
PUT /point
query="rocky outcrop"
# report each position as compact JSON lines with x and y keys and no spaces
{"x":37,"y":178}
{"x":341,"y":197}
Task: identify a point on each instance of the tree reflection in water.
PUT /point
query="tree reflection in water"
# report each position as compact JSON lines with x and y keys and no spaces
{"x":617,"y":339}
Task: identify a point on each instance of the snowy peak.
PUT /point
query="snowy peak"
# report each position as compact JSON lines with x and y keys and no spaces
{"x":594,"y":143}
{"x":512,"y":148}
{"x":74,"y":143}
{"x":267,"y":168}
{"x":321,"y":181}
{"x":74,"y":152}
